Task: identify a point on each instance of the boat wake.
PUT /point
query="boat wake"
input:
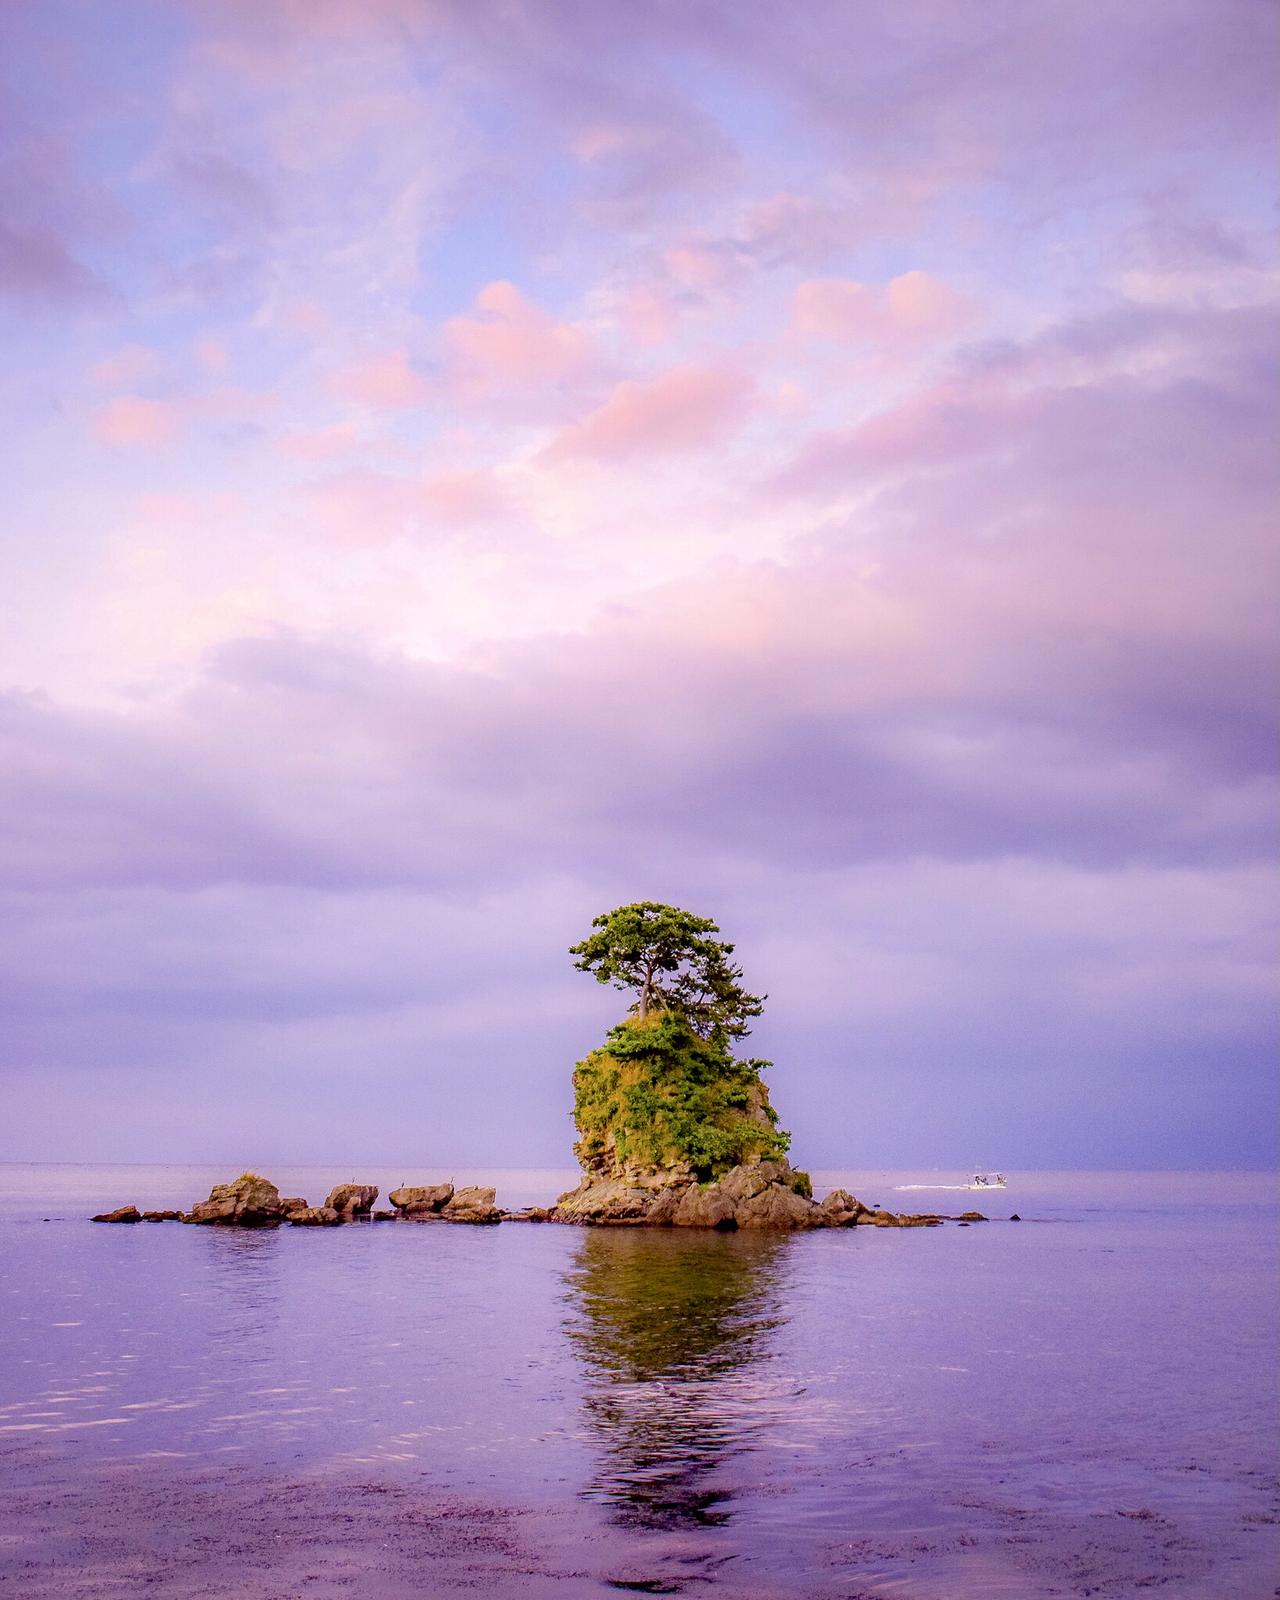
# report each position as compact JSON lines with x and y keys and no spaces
{"x":987,"y":1183}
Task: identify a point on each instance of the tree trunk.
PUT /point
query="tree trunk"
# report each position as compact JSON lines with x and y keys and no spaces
{"x":646,"y":989}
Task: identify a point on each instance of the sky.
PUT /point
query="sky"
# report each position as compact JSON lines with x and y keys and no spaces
{"x":470,"y":464}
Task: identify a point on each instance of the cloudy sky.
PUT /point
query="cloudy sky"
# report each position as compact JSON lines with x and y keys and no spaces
{"x":472,"y":463}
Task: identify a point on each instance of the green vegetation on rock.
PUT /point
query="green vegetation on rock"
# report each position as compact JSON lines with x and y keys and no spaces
{"x":665,"y":1092}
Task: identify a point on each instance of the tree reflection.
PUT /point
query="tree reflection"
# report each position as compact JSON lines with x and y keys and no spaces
{"x":673,"y":1332}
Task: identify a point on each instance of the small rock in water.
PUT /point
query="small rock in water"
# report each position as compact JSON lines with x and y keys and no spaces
{"x":417,"y":1200}
{"x":249,"y":1202}
{"x":475,"y":1204}
{"x":842,"y":1209}
{"x":352,"y":1200}
{"x":315,"y":1217}
{"x":120,"y":1214}
{"x":1014,"y":1217}
{"x":162,"y":1216}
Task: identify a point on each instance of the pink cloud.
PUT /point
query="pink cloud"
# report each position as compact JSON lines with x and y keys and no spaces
{"x":696,"y":266}
{"x":386,"y":383}
{"x":686,"y":408}
{"x":128,"y":420}
{"x":507,"y":341}
{"x":132,"y":364}
{"x":646,"y":315}
{"x":464,"y":497}
{"x":159,"y":510}
{"x":935,"y":427}
{"x":365,"y":508}
{"x":794,"y":227}
{"x":834,"y":308}
{"x":303,"y":316}
{"x":212,"y":355}
{"x":918,"y":300}
{"x":319,"y":444}
{"x":913,"y":306}
{"x":602,"y":139}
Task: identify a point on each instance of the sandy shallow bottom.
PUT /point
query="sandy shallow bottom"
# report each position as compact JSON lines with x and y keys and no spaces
{"x":213,"y":1534}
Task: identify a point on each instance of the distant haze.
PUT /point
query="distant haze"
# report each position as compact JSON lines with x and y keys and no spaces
{"x":470,"y":465}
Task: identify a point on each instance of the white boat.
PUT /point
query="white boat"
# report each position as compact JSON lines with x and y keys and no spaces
{"x":980,"y":1180}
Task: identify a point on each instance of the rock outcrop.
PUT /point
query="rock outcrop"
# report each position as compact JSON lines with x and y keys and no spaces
{"x":351,"y":1200}
{"x":761,"y":1194}
{"x":674,"y":1131}
{"x":757,"y":1194}
{"x":421,"y":1200}
{"x":475,"y":1204}
{"x":840,"y":1209}
{"x":248,"y":1202}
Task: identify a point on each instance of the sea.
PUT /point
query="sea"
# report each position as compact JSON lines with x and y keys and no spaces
{"x":1079,"y":1403}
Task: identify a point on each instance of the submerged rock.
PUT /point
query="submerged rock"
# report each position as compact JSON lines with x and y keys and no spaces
{"x":248,"y":1202}
{"x":352,"y":1200}
{"x":120,"y":1214}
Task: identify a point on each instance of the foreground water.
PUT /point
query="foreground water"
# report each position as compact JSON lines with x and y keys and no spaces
{"x":1080,"y":1404}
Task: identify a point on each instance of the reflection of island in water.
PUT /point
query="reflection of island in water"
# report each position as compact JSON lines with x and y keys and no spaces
{"x":673,"y":1331}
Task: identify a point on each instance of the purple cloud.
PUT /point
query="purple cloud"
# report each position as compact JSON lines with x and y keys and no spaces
{"x":508,"y":460}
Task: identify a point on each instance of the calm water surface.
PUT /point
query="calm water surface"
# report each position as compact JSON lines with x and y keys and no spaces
{"x":1084,"y":1403}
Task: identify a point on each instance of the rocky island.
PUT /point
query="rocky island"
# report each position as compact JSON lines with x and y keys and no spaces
{"x":674,"y":1129}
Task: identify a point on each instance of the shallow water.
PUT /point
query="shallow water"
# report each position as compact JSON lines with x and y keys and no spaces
{"x":1083,"y":1403}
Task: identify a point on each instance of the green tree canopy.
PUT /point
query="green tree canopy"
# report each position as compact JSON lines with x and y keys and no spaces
{"x":674,"y":962}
